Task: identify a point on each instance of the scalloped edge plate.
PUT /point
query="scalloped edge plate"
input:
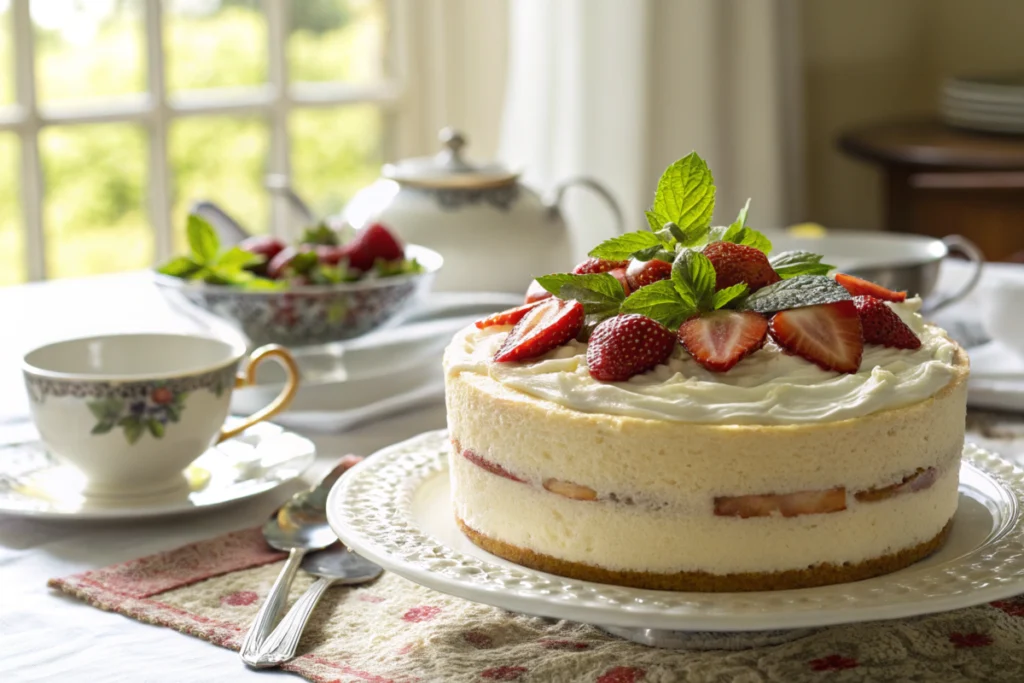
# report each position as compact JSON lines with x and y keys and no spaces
{"x":393,"y":509}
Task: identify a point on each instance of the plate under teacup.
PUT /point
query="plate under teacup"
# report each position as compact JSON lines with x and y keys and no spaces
{"x":394,"y":509}
{"x":35,"y":483}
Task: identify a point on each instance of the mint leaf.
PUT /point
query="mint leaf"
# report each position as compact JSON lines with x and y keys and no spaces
{"x":180,"y":266}
{"x":622,"y":247}
{"x":319,"y":234}
{"x":401,"y":267}
{"x":725,"y":296}
{"x":600,"y":293}
{"x":657,"y":222}
{"x":796,"y":292}
{"x":236,"y":257}
{"x":789,"y":264}
{"x":660,"y":301}
{"x":202,"y":240}
{"x":741,"y":219}
{"x":686,"y":193}
{"x":658,"y":252}
{"x":259,"y":284}
{"x":693,"y":276}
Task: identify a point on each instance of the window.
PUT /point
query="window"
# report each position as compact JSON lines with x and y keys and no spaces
{"x":115,"y":115}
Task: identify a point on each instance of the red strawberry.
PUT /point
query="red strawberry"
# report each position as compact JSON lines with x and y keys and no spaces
{"x":371,"y":243}
{"x":597,"y":265}
{"x":735,"y":263}
{"x":627,"y":345}
{"x":856,"y":287}
{"x":536,"y":293}
{"x":828,"y":335}
{"x":509,"y":317}
{"x":620,"y":275}
{"x":787,"y":504}
{"x":546,"y":326}
{"x":882,"y":326}
{"x":721,"y":339}
{"x":642,"y":273}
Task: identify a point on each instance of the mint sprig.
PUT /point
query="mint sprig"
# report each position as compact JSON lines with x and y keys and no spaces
{"x":796,"y":292}
{"x":207,"y":262}
{"x":600,"y":293}
{"x":624,"y":246}
{"x":660,"y":301}
{"x":685,"y":194}
{"x":789,"y":264}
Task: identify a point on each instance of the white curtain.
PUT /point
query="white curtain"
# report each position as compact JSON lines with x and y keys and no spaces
{"x":618,"y":89}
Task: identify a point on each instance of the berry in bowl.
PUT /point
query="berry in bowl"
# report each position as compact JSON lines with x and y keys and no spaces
{"x":320,"y":290}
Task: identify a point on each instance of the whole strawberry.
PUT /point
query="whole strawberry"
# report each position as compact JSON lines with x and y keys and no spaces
{"x":882,"y":326}
{"x":371,"y":243}
{"x":598,"y":265}
{"x":735,"y":263}
{"x":627,"y":345}
{"x":642,"y":273}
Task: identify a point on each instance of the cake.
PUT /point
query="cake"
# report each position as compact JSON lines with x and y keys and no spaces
{"x":684,"y":412}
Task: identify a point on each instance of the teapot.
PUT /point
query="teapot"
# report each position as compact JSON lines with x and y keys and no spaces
{"x":495,"y":233}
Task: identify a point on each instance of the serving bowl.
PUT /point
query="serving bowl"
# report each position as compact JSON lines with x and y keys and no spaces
{"x":312,"y":314}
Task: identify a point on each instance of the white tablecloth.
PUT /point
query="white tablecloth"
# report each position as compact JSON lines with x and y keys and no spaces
{"x":46,"y":636}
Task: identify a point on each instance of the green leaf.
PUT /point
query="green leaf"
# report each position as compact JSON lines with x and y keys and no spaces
{"x":660,"y":301}
{"x":622,"y":247}
{"x":651,"y":253}
{"x":106,"y":409}
{"x":180,"y":266}
{"x":598,"y":283}
{"x":103,"y":427}
{"x":686,"y":193}
{"x":796,"y":292}
{"x":156,"y":428}
{"x":304,"y":262}
{"x":218,"y":275}
{"x":789,"y":264}
{"x":259,"y":284}
{"x":729,"y":294}
{"x":693,"y":276}
{"x":132,"y":429}
{"x":392,"y":268}
{"x":173,"y":413}
{"x":657,"y":222}
{"x":202,"y":240}
{"x":748,"y":237}
{"x":179,"y":399}
{"x":741,"y":219}
{"x":695,"y":236}
{"x":321,"y":233}
{"x":236,"y":257}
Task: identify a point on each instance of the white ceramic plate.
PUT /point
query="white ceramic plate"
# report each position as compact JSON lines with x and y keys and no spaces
{"x":34,"y":483}
{"x":394,"y":509}
{"x":997,"y":378}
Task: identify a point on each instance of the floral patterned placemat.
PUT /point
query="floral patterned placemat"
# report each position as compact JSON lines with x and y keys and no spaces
{"x":397,"y":631}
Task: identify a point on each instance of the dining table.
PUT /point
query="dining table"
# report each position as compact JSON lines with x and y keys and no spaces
{"x":47,"y":635}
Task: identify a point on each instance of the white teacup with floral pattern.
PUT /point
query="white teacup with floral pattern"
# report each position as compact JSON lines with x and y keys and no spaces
{"x":132,"y":411}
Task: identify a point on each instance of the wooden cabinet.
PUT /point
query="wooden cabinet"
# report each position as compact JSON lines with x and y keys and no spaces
{"x":940,"y":181}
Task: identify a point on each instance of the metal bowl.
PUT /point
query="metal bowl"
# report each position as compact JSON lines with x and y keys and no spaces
{"x":304,"y":316}
{"x":898,"y":261}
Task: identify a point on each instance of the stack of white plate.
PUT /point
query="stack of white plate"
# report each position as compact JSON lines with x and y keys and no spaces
{"x":992,"y":104}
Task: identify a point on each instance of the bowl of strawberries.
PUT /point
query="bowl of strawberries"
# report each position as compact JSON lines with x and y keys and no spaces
{"x":326,"y":287}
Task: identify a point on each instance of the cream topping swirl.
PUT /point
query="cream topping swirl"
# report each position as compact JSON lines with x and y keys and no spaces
{"x":768,"y":387}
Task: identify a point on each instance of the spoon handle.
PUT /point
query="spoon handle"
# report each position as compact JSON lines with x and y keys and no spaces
{"x":282,"y":643}
{"x":270,"y":609}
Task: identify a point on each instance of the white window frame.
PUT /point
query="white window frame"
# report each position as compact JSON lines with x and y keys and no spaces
{"x":156,"y":110}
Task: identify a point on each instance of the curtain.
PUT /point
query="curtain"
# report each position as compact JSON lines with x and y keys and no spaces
{"x":618,"y":89}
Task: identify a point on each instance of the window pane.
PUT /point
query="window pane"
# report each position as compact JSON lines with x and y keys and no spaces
{"x":338,"y":40}
{"x":215,"y":44}
{"x":94,"y":209}
{"x":12,"y":246}
{"x":222,"y":159}
{"x":335,"y":152}
{"x":6,"y":54}
{"x":86,"y":50}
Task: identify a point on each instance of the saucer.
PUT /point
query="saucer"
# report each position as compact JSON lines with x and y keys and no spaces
{"x":35,"y":483}
{"x":997,"y":378}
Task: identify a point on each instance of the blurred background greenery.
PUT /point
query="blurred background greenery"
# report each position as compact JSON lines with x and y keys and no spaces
{"x":96,"y":176}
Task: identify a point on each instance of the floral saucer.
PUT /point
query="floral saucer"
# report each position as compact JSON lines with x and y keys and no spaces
{"x":35,"y":483}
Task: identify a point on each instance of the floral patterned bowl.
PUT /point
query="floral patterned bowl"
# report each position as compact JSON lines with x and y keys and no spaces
{"x":316,"y":314}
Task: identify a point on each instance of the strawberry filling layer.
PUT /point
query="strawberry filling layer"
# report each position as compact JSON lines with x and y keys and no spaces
{"x":753,"y":505}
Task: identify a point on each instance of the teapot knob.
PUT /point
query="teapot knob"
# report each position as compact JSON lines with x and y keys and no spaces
{"x":452,"y":139}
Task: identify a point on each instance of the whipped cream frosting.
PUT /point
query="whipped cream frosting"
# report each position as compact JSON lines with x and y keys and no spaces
{"x":768,"y":387}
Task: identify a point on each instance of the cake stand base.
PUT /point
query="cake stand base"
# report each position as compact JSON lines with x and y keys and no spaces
{"x":707,"y":640}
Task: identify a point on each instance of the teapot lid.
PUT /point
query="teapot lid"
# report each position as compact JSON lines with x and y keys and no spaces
{"x":447,"y":169}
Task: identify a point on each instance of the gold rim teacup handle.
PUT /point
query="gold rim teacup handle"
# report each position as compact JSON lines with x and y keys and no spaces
{"x":248,"y":376}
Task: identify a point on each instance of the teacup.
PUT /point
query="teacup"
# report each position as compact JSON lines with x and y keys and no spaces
{"x":1002,"y":307}
{"x":132,"y":411}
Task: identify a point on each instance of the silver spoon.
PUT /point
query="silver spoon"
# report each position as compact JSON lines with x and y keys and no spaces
{"x":298,"y":526}
{"x":337,"y":565}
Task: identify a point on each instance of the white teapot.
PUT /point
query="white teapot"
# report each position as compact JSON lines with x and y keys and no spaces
{"x":495,"y":233}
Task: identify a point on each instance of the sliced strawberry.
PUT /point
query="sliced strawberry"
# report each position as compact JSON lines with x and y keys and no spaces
{"x":719,"y":340}
{"x":642,"y":273}
{"x":627,"y":345}
{"x":598,"y":265}
{"x":491,"y":467}
{"x":509,"y":317}
{"x":570,"y":490}
{"x":882,"y":326}
{"x":857,"y":287}
{"x":828,"y":335}
{"x":736,"y":263}
{"x":921,"y":479}
{"x":546,"y":326}
{"x":787,"y":504}
{"x":371,"y":243}
{"x":536,"y":293}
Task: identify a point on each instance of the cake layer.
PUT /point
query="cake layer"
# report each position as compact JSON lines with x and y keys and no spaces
{"x":665,"y":460}
{"x":770,"y":387}
{"x":620,"y":537}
